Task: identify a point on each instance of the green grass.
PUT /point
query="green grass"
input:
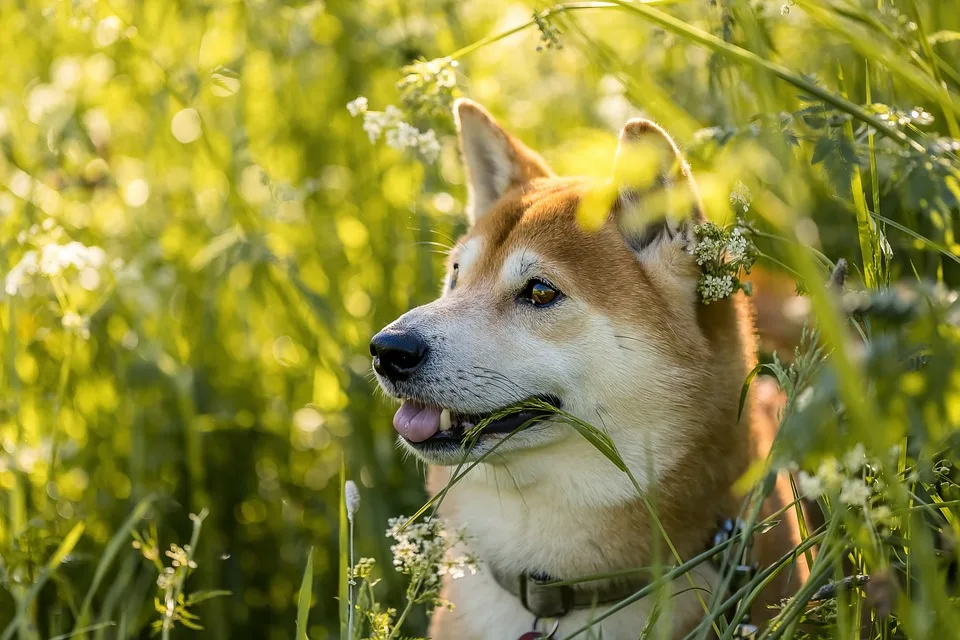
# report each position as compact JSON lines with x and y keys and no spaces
{"x":213,"y":360}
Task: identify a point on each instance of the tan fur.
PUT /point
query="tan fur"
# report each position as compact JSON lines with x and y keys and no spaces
{"x":696,"y":450}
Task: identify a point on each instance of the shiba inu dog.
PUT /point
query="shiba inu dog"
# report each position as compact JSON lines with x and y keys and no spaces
{"x":606,"y":325}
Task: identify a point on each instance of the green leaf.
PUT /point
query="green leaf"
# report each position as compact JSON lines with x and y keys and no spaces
{"x":66,"y":546}
{"x":199,"y":596}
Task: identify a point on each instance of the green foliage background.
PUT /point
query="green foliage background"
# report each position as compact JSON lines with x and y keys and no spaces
{"x":255,"y":239}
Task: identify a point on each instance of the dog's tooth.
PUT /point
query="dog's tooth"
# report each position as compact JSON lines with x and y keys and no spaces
{"x":445,"y":420}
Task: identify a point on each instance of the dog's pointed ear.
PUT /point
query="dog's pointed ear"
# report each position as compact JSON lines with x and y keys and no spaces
{"x":495,"y":160}
{"x":657,"y":202}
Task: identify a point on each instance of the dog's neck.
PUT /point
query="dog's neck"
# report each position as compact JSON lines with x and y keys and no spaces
{"x":585,"y":517}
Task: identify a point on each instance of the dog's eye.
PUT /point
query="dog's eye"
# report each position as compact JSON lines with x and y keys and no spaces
{"x":453,"y":276}
{"x":540,"y":294}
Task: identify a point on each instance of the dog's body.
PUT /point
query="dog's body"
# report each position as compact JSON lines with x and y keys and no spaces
{"x":606,"y":324}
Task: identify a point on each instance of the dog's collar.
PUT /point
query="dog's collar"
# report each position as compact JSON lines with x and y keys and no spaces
{"x":540,"y":594}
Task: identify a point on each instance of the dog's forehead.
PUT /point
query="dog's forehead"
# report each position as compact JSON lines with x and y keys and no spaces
{"x":540,"y":220}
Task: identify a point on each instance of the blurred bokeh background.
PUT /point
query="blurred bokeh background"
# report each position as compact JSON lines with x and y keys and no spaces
{"x":240,"y":239}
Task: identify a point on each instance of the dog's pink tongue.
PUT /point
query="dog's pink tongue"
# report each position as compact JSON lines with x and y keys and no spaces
{"x":416,"y":422}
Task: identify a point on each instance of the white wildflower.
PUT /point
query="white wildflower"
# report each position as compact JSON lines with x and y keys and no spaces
{"x":405,"y":554}
{"x":397,"y":133}
{"x":457,"y":567}
{"x":429,"y":145}
{"x":21,"y":271}
{"x":829,"y":473}
{"x":811,"y":486}
{"x":736,"y":247}
{"x":56,"y":258}
{"x":53,"y":260}
{"x":882,"y":515}
{"x":351,"y":497}
{"x":854,"y":459}
{"x":392,"y":114}
{"x":715,"y":288}
{"x":855,"y":492}
{"x":75,"y":323}
{"x":402,"y":136}
{"x":357,"y":106}
{"x":446,"y":79}
{"x":707,"y":250}
{"x":740,"y":196}
{"x":421,"y":551}
{"x":373,"y":123}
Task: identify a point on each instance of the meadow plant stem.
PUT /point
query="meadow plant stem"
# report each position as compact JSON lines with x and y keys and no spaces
{"x":173,"y":595}
{"x":749,"y":592}
{"x":399,"y":623}
{"x":350,"y":601}
{"x":551,"y":11}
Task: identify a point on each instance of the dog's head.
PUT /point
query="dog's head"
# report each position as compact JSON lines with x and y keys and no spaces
{"x":602,"y":322}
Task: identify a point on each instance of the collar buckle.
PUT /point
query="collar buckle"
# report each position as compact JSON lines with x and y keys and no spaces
{"x":542,"y":599}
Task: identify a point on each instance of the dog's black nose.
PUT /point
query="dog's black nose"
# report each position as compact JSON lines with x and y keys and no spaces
{"x":397,"y":354}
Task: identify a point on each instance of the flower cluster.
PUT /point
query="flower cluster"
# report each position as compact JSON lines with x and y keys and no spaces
{"x":852,"y":480}
{"x":549,"y":33}
{"x":53,"y":260}
{"x":428,"y":87}
{"x":722,"y":254}
{"x":396,"y":132}
{"x":422,"y":551}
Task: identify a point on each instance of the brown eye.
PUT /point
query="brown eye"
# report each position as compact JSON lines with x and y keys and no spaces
{"x":540,"y":294}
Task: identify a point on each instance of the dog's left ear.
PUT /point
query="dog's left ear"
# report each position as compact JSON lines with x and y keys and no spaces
{"x":657,"y":202}
{"x":494,"y":159}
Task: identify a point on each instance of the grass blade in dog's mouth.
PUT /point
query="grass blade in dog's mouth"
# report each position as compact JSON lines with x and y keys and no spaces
{"x":420,"y":423}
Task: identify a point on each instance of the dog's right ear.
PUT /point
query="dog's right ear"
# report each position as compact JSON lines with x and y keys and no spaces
{"x":658,"y":202}
{"x":495,"y":160}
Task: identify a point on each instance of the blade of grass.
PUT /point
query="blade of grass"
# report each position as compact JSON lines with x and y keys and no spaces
{"x":739,"y":54}
{"x":119,"y":539}
{"x":869,"y":244}
{"x":916,"y":236}
{"x":76,"y":632}
{"x":945,"y":100}
{"x":304,"y":598}
{"x":746,"y":387}
{"x":63,"y":550}
{"x":871,"y":47}
{"x":754,"y":587}
{"x":872,"y":146}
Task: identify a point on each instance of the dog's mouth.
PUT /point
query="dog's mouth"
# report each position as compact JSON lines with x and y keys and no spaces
{"x":424,"y":424}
